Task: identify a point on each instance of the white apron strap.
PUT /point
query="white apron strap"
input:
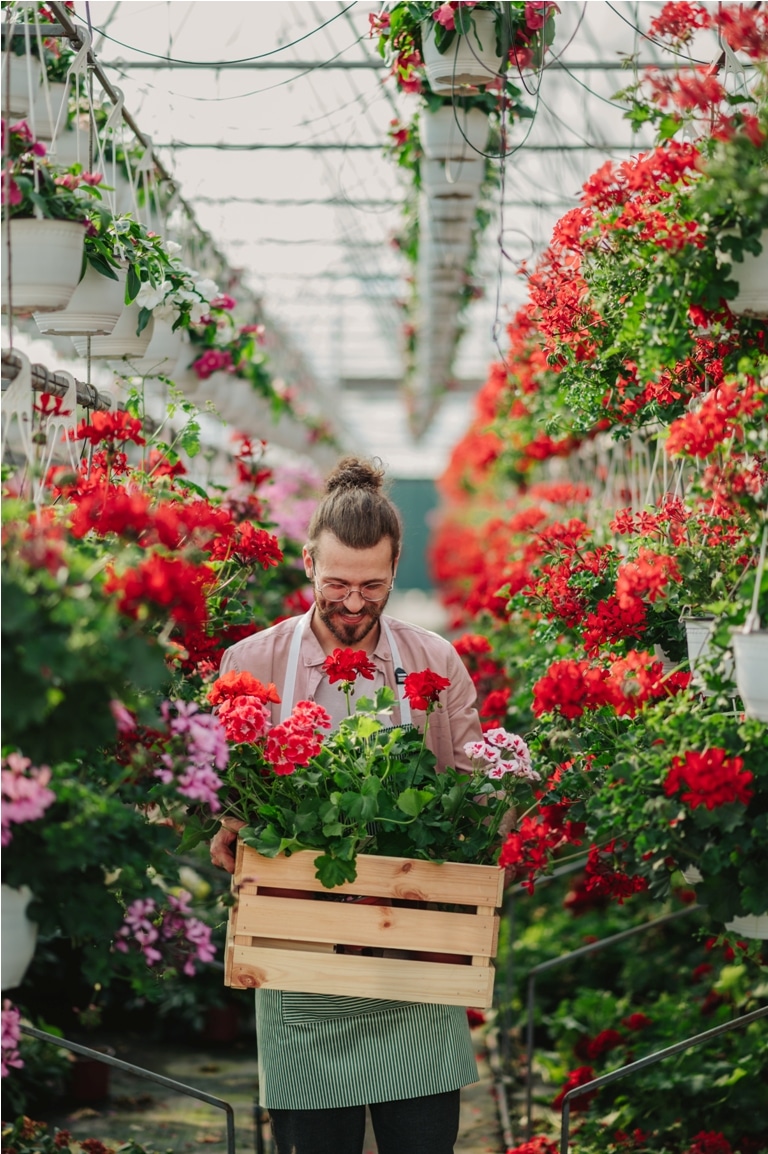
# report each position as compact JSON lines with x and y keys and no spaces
{"x":289,"y":685}
{"x":405,"y":705}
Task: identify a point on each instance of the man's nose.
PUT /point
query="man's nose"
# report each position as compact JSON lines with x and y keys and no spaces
{"x":354,"y":593}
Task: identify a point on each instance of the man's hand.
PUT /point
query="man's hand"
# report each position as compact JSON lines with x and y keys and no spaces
{"x":222,"y":844}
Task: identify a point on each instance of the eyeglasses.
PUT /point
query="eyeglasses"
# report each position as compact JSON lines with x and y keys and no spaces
{"x":339,"y":591}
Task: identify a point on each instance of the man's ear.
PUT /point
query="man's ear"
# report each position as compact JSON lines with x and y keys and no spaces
{"x":309,"y":568}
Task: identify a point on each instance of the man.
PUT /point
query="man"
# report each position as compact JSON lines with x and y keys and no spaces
{"x":323,"y":1059}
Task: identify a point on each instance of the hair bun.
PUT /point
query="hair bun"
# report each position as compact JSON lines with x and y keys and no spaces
{"x":355,"y":473}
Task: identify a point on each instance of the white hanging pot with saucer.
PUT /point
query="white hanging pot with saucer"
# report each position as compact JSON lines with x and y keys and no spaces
{"x":469,"y":62}
{"x":452,"y":133}
{"x":46,"y":261}
{"x":93,"y":309}
{"x":123,"y":341}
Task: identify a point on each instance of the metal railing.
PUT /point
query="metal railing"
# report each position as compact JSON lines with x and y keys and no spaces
{"x":563,"y":959}
{"x":140,"y":1072}
{"x":648,"y":1060}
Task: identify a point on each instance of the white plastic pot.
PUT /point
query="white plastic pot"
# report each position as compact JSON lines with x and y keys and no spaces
{"x":469,"y":62}
{"x":452,"y":178}
{"x":123,"y":341}
{"x":752,"y":275}
{"x":19,"y":935}
{"x":46,"y":260}
{"x":451,"y":133}
{"x":750,"y":651}
{"x":164,"y":350}
{"x":47,"y":107}
{"x":22,"y":85}
{"x":93,"y":309}
{"x":698,"y":634}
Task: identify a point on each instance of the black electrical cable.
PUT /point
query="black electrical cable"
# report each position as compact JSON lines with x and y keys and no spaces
{"x":224,"y":63}
{"x":240,"y":95}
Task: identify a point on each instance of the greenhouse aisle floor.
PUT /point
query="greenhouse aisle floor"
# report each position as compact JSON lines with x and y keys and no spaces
{"x":163,"y":1120}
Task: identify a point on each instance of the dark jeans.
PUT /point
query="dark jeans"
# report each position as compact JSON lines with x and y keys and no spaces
{"x":412,"y":1126}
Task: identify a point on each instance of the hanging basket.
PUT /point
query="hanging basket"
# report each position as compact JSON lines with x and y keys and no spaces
{"x":315,"y":947}
{"x":453,"y":208}
{"x":164,"y":349}
{"x":470,"y":62}
{"x":24,"y":79}
{"x":752,"y":275}
{"x":750,"y":651}
{"x":123,"y":341}
{"x":452,"y":178}
{"x":19,"y":935}
{"x":451,"y":133}
{"x":698,"y":635}
{"x":47,"y":109}
{"x":46,"y":262}
{"x":93,"y":309}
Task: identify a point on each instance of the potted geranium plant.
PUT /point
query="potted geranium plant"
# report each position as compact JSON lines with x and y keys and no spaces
{"x":460,"y":46}
{"x":45,"y":218}
{"x":367,"y":788}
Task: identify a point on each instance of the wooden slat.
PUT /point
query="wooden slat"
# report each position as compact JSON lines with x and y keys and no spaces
{"x":364,"y":977}
{"x":384,"y":927}
{"x":404,"y":878}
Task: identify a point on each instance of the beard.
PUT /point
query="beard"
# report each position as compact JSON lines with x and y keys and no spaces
{"x":349,"y":633}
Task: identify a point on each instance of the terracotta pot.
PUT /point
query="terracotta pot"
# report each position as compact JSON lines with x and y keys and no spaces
{"x":471,"y":61}
{"x":222,"y":1023}
{"x":46,"y":262}
{"x":90,"y":1080}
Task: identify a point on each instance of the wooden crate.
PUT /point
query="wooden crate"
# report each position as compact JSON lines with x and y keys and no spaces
{"x":292,"y":943}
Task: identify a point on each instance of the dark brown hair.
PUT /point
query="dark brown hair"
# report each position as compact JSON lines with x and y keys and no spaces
{"x":355,"y":508}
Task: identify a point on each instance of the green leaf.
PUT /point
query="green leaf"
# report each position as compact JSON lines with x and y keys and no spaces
{"x":413,"y":801}
{"x":132,"y":284}
{"x":333,"y":871}
{"x":145,"y":316}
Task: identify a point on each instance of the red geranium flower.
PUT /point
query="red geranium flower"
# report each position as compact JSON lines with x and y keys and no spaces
{"x":240,"y":684}
{"x":710,"y":778}
{"x":348,"y":664}
{"x":111,"y":426}
{"x":423,"y":689}
{"x":578,"y":1077}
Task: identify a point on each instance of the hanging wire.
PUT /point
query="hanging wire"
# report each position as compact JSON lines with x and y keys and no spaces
{"x":148,"y":86}
{"x":223,"y":63}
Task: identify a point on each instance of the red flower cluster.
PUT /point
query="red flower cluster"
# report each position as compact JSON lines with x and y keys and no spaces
{"x":578,"y":1077}
{"x":709,"y":1142}
{"x":646,"y":576}
{"x":295,"y":741}
{"x":168,"y":583}
{"x":248,"y":545}
{"x":711,"y":778}
{"x":423,"y":689}
{"x":697,"y":434}
{"x":602,"y":876}
{"x":537,"y":1145}
{"x":238,"y":683}
{"x":348,"y":664}
{"x":111,"y":426}
{"x":570,"y":687}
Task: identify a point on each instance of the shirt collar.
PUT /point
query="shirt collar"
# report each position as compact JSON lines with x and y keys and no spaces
{"x":312,"y":650}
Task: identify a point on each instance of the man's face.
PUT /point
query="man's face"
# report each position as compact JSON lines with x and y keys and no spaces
{"x":351,"y":620}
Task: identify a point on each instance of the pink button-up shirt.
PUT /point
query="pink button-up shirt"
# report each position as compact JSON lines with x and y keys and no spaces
{"x":265,"y":655}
